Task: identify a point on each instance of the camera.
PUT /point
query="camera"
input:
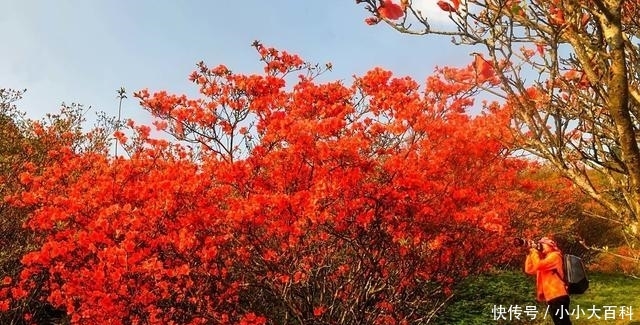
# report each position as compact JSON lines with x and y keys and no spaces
{"x":524,"y":242}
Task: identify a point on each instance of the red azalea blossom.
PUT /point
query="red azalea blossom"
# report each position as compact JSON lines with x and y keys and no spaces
{"x":372,"y":21}
{"x":390,"y":10}
{"x":484,"y":69}
{"x":318,"y":311}
{"x":540,"y":48}
{"x":4,"y":305}
{"x":445,"y":6}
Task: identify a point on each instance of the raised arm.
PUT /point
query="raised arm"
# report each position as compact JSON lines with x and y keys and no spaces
{"x":534,"y":263}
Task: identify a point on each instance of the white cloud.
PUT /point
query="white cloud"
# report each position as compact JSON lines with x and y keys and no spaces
{"x":429,"y":9}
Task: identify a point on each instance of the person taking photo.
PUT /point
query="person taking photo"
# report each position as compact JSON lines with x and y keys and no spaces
{"x":544,"y":260}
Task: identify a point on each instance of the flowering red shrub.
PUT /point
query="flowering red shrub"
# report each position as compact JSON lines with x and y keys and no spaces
{"x":343,"y":203}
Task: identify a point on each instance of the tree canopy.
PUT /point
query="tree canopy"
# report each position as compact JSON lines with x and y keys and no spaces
{"x":567,"y":72}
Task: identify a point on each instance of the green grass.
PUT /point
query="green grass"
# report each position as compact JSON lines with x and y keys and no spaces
{"x":477,"y":297}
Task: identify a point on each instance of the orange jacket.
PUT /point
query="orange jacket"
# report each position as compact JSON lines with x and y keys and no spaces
{"x":549,"y":274}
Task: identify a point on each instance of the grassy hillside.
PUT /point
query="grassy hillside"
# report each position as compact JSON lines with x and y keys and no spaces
{"x":487,"y":300}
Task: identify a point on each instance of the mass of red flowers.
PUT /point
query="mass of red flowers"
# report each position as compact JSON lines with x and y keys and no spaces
{"x":366,"y":202}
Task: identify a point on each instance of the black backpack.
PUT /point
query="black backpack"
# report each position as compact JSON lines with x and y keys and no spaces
{"x":575,"y":274}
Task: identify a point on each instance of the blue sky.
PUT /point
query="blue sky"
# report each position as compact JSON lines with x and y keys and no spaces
{"x":76,"y":51}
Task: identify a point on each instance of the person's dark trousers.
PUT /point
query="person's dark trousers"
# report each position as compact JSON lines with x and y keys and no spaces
{"x":559,"y":310}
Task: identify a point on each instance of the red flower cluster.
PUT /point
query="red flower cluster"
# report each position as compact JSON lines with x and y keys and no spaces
{"x":339,"y":189}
